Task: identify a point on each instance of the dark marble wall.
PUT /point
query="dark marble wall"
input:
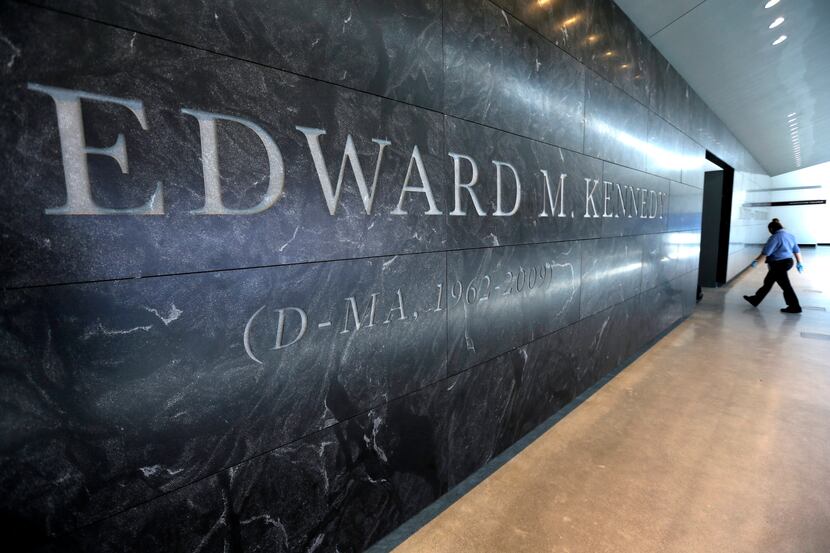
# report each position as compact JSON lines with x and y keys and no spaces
{"x":276,"y":275}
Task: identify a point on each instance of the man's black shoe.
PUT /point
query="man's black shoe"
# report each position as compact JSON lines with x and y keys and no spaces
{"x":751,"y":302}
{"x":791,"y":310}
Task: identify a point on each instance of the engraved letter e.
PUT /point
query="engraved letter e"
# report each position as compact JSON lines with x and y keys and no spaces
{"x":74,"y":152}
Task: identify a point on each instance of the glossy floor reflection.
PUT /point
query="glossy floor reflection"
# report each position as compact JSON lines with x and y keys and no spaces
{"x":717,"y":439}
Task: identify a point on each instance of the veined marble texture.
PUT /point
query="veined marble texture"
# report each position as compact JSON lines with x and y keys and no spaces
{"x":608,"y":338}
{"x":501,"y":298}
{"x":566,"y":23}
{"x":693,"y":156}
{"x":166,"y":158}
{"x":671,"y":97}
{"x":686,"y":207}
{"x":611,"y":272}
{"x":500,"y":73}
{"x":496,"y":403}
{"x":616,"y":125}
{"x":619,"y":51}
{"x":564,"y":215}
{"x":665,"y":305}
{"x":661,"y":259}
{"x":337,"y":490}
{"x":387,"y":47}
{"x":641,"y":205}
{"x":116,"y":392}
{"x":666,"y":152}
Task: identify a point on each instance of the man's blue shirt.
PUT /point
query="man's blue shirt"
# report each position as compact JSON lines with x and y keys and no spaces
{"x":780,"y":246}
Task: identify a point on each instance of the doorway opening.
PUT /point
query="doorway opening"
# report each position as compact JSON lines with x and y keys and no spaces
{"x":714,"y":233}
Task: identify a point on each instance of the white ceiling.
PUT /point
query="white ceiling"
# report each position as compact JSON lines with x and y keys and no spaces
{"x":723,"y":48}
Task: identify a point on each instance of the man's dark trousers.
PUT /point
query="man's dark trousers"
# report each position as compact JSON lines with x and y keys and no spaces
{"x":778,"y":273}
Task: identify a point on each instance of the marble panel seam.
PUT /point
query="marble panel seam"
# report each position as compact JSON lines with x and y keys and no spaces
{"x":313,"y":262}
{"x":246,"y":460}
{"x":231,"y":56}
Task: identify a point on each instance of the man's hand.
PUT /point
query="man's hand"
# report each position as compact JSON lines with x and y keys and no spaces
{"x":800,"y":267}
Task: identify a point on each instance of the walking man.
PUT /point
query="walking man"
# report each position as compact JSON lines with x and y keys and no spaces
{"x":778,"y":251}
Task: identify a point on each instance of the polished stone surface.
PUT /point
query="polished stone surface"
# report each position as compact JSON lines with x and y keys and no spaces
{"x":167,"y":77}
{"x":664,"y":303}
{"x":150,"y":389}
{"x":616,"y":126}
{"x":692,"y":164}
{"x":661,"y":260}
{"x":390,"y":48}
{"x":713,"y":440}
{"x":685,"y":207}
{"x":566,"y":23}
{"x":611,"y":272}
{"x":666,"y":148}
{"x":498,"y":402}
{"x":608,"y":338}
{"x":564,"y":214}
{"x":502,"y":298}
{"x":500,"y":73}
{"x":619,"y":51}
{"x":637,"y":202}
{"x":313,"y":494}
{"x":688,"y":249}
{"x":671,"y":97}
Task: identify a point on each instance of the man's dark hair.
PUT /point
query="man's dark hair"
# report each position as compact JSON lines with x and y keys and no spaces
{"x":774,"y":226}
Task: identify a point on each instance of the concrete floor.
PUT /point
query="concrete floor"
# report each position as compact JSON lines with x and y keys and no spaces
{"x":715,"y":440}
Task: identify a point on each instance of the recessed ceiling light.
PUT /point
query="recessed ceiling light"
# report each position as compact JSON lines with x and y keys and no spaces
{"x":771,"y":3}
{"x":778,"y":21}
{"x":791,"y":115}
{"x":779,"y":40}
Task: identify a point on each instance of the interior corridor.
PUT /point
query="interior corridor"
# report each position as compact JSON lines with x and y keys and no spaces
{"x":715,"y":440}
